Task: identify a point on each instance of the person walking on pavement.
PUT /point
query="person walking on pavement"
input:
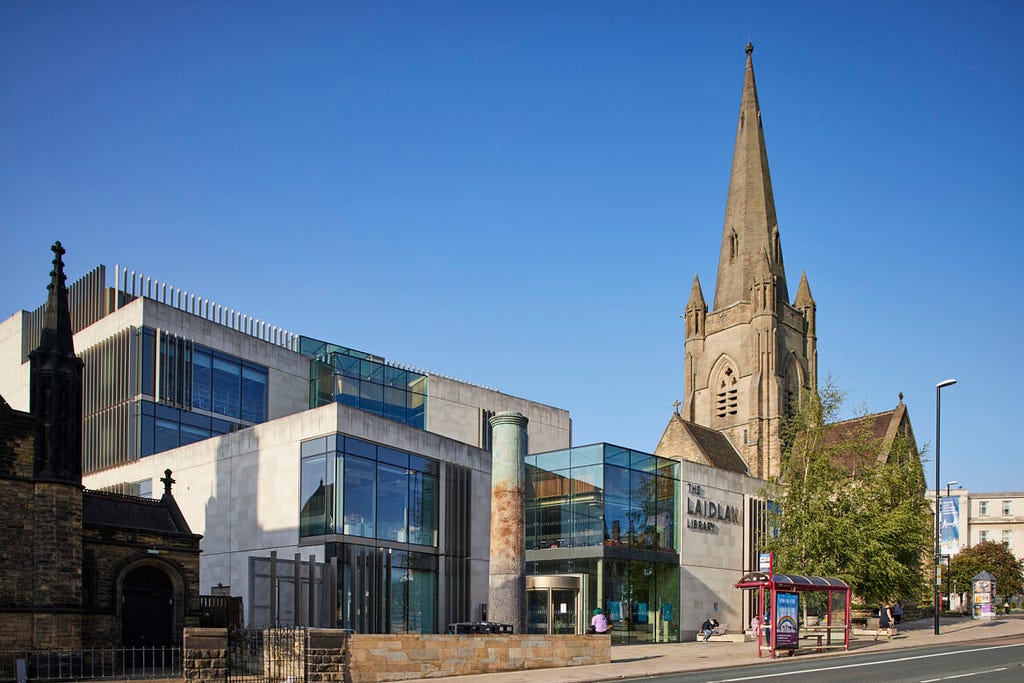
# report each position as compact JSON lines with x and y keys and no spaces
{"x":884,"y":620}
{"x":599,"y":622}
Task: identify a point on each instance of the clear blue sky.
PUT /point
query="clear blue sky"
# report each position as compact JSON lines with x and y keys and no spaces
{"x":519,"y":194}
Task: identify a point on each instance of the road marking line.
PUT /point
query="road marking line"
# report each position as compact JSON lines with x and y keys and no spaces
{"x":976,"y":673}
{"x":863,"y":664}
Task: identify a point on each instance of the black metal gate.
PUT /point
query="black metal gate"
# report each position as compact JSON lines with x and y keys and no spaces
{"x":269,"y":655}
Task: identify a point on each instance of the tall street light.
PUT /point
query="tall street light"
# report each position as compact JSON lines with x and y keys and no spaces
{"x":938,"y":557}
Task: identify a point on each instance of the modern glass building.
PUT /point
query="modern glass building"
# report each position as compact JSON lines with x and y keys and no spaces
{"x":289,"y":445}
{"x":609,"y":517}
{"x":377,"y":510}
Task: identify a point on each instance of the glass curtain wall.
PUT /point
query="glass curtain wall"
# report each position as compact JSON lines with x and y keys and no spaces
{"x":601,"y":495}
{"x":364,"y":381}
{"x":191,"y":392}
{"x":356,"y":488}
{"x":366,"y":493}
{"x":610,"y":513}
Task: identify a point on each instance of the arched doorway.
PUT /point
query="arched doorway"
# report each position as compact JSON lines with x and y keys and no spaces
{"x":147,"y":608}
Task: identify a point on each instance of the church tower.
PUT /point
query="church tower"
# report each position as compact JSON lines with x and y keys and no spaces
{"x":55,"y":536}
{"x":748,"y":359}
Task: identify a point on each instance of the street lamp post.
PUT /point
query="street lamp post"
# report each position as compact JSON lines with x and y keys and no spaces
{"x":938,"y":415}
{"x":949,"y":558}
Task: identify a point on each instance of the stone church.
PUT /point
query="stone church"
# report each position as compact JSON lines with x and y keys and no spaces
{"x":747,"y":359}
{"x":81,"y":569}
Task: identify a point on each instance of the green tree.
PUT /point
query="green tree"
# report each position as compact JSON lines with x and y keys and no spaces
{"x":868,"y":524}
{"x":993,"y":557}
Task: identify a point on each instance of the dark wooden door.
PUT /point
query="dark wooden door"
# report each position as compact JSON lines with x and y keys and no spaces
{"x":147,"y":609}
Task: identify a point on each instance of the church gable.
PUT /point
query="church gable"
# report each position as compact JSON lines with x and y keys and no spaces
{"x":871,"y":439}
{"x":684,"y":440}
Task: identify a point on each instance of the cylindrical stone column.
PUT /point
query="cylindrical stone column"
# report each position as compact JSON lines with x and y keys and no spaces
{"x":506,"y":600}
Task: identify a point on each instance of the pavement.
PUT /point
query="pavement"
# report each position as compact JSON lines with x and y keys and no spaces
{"x":637,"y":661}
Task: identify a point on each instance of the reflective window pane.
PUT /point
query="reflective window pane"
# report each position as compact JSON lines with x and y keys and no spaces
{"x":393,"y":457}
{"x":347,"y":365}
{"x":254,"y":394}
{"x":312,"y":447}
{"x":191,"y":434}
{"x":148,"y":362}
{"x":588,"y":455}
{"x":394,"y":404}
{"x":392,"y":502}
{"x":315,"y":489}
{"x":643,"y":510}
{"x":371,"y":371}
{"x":395,"y":377}
{"x":371,"y":397}
{"x":165,"y":436}
{"x":423,"y":509}
{"x":361,"y":448}
{"x":587,"y":506}
{"x":555,"y":460}
{"x":346,"y":391}
{"x":202,"y":378}
{"x":226,"y":387}
{"x":613,"y":455}
{"x":360,"y":512}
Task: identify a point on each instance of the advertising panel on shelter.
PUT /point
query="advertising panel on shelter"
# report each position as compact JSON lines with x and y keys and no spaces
{"x":949,"y":537}
{"x":787,"y":610}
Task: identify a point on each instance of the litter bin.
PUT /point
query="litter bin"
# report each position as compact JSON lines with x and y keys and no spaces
{"x":479,"y":627}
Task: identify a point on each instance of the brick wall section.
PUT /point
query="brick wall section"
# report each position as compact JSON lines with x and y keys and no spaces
{"x":57,"y":565}
{"x":205,"y":654}
{"x":326,"y":648}
{"x":16,"y":492}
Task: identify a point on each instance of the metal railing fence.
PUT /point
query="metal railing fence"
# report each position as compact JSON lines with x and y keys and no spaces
{"x":91,"y":664}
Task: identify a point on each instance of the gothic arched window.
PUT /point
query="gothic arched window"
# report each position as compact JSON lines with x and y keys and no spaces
{"x":727,"y":400}
{"x":791,"y":391}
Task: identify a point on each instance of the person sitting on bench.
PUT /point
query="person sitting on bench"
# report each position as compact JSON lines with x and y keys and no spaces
{"x":709,"y":628}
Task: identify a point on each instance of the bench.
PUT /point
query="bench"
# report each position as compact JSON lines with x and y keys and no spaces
{"x":722,"y":635}
{"x":829,"y":634}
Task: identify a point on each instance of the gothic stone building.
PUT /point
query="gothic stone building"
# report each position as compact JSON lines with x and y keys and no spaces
{"x":79,"y":568}
{"x":748,"y":358}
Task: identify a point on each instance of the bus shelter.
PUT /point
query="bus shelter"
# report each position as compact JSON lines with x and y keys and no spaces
{"x":782,"y":626}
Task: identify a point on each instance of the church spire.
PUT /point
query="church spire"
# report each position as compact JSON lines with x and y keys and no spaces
{"x":57,"y":334}
{"x":751,"y":228}
{"x":55,"y":393}
{"x":804,"y":299}
{"x":696,"y":296}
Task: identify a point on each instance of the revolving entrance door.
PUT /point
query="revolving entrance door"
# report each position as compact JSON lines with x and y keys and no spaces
{"x":555,"y":604}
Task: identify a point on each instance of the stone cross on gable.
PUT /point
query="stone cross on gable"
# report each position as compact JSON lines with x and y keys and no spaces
{"x":677,"y":404}
{"x":166,"y":479}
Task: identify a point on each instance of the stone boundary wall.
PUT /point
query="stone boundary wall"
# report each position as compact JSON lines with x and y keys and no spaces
{"x":380,"y":658}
